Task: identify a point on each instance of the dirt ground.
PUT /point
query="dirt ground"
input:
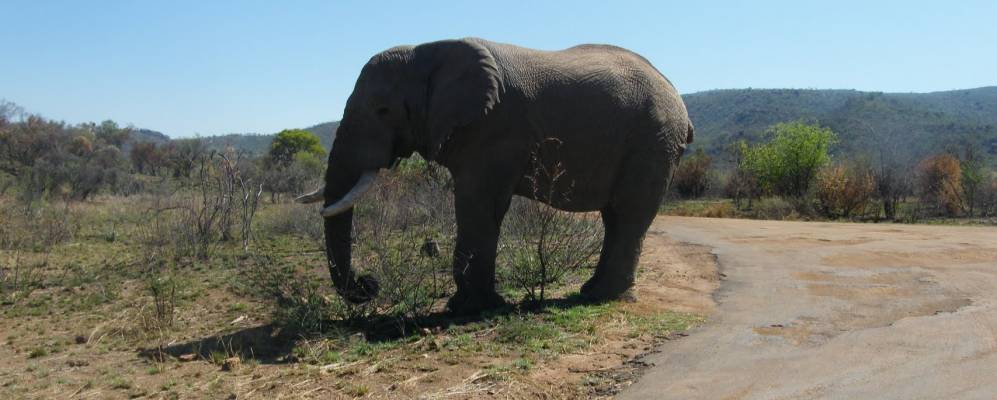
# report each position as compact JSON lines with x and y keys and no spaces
{"x":836,"y":311}
{"x":224,"y":347}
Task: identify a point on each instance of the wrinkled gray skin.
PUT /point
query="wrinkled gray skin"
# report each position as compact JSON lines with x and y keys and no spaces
{"x":481,"y":109}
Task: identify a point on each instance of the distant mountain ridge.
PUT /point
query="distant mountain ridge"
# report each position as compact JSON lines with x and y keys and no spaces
{"x":922,"y":123}
{"x":254,"y":143}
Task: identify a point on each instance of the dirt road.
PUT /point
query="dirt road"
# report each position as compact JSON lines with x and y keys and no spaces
{"x":836,"y":311}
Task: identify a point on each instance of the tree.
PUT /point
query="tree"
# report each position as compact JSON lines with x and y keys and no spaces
{"x":289,"y":142}
{"x":843,"y":190}
{"x":109,"y":133}
{"x":788,"y":162}
{"x":973,"y":178}
{"x":940,"y":183}
{"x":184,"y":155}
{"x":742,"y":183}
{"x":692,"y":177}
{"x":145,"y":157}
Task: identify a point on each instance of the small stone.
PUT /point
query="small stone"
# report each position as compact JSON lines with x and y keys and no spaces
{"x":187,"y":357}
{"x":80,"y":339}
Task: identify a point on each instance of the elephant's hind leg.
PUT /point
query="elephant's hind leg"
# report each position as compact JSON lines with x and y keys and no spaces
{"x":626,"y":222}
{"x":614,"y":275}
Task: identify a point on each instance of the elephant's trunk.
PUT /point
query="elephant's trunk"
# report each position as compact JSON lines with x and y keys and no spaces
{"x":338,"y":239}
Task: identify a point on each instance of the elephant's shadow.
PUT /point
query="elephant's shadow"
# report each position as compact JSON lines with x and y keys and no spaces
{"x":273,"y":344}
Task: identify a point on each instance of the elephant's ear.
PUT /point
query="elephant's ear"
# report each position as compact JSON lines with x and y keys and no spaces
{"x":462,"y":87}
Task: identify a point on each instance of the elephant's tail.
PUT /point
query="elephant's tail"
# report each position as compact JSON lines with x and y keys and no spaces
{"x":689,"y":133}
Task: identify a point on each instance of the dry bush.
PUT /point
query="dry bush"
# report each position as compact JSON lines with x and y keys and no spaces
{"x":541,"y":244}
{"x":165,"y":288}
{"x":392,"y":222}
{"x":742,"y":185}
{"x":692,"y":177}
{"x":844,"y":190}
{"x":36,"y":228}
{"x":408,"y":208}
{"x":940,"y":184}
{"x":207,"y":208}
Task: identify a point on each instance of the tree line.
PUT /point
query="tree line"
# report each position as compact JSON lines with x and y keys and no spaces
{"x":44,"y":159}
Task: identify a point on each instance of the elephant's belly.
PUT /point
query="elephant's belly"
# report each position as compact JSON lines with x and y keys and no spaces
{"x":569,"y":192}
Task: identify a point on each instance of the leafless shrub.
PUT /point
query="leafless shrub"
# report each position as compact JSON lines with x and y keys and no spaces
{"x":693,"y":177}
{"x":36,"y":228}
{"x":542,"y":244}
{"x":164,"y":287}
{"x":407,"y":208}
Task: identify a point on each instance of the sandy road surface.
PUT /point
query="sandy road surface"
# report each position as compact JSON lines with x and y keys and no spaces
{"x":836,"y":311}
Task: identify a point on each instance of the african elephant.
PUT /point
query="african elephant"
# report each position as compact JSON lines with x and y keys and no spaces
{"x":482,"y":109}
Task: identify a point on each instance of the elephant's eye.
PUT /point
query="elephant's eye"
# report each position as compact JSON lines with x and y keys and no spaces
{"x":382,"y":111}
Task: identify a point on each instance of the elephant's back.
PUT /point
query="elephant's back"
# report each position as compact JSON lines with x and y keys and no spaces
{"x":592,"y":86}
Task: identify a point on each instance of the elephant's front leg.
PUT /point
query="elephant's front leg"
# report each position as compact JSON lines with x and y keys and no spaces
{"x":479,"y":218}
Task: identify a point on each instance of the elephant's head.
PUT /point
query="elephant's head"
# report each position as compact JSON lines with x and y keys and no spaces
{"x":406,"y":99}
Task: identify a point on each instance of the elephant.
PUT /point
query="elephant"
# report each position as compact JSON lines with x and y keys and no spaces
{"x":481,"y":109}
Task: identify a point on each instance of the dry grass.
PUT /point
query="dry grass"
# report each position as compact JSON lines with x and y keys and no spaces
{"x":117,"y":310}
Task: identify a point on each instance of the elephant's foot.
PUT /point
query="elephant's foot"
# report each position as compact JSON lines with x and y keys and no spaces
{"x":463,"y":303}
{"x":599,"y":291}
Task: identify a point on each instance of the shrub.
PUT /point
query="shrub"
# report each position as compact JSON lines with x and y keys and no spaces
{"x":788,"y":162}
{"x":988,"y":197}
{"x":843,"y":190}
{"x":974,"y":177}
{"x":542,"y":244}
{"x":692,"y":177}
{"x":940,"y":184}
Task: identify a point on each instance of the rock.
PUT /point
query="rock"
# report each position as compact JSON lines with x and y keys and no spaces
{"x":187,"y":357}
{"x":80,"y":339}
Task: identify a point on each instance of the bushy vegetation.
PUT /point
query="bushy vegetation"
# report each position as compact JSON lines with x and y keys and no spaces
{"x":786,"y":164}
{"x":793,"y":175}
{"x":692,"y":178}
{"x":194,"y":249}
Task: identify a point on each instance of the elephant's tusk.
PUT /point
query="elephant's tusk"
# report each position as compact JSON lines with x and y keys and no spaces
{"x":313,"y":197}
{"x":364,"y":184}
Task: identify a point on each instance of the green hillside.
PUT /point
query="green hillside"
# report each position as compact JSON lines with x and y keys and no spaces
{"x":916,"y":123}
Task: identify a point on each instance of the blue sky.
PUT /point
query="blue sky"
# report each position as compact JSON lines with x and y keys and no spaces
{"x":213,"y":67}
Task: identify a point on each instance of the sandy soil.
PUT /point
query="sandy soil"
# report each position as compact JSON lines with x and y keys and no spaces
{"x":836,"y":311}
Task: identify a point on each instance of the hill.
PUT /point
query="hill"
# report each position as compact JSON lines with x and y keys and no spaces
{"x":260,"y":143}
{"x":916,"y":123}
